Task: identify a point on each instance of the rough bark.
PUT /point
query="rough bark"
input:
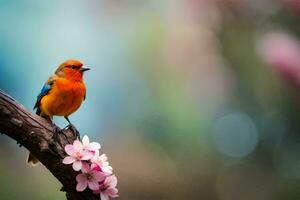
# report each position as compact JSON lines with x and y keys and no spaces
{"x":43,"y":139}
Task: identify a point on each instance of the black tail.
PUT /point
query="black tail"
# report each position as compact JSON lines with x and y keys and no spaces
{"x":38,"y":111}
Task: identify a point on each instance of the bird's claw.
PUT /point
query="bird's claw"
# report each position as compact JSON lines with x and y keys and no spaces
{"x":74,"y":130}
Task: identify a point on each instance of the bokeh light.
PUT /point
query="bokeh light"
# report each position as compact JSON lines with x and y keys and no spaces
{"x":235,"y":134}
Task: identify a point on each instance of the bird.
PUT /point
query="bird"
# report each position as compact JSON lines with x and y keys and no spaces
{"x":62,"y":94}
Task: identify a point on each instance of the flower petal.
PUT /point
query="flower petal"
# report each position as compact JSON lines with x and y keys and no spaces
{"x":103,"y":157}
{"x":107,"y":169}
{"x":94,"y":159}
{"x":93,"y":185}
{"x":77,"y":165}
{"x":104,"y":196}
{"x":95,"y":146}
{"x":77,"y":145}
{"x":81,"y":182}
{"x":113,"y":192}
{"x":96,"y":154}
{"x":69,"y":149}
{"x":99,"y":176}
{"x":111,"y":181}
{"x":81,"y":178}
{"x":96,"y":191}
{"x":68,"y":160}
{"x":95,"y":167}
{"x":86,"y":155}
{"x":85,"y":167}
{"x":85,"y":140}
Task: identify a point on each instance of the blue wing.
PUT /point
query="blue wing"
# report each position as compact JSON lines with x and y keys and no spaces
{"x":45,"y":90}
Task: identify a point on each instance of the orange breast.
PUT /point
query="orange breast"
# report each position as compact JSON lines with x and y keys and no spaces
{"x":64,"y":98}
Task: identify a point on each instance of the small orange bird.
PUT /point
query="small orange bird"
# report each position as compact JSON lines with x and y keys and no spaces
{"x":62,"y":94}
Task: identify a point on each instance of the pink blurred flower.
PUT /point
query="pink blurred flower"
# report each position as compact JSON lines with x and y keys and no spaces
{"x":90,"y":177}
{"x":293,"y":5}
{"x":108,"y":188}
{"x":76,"y":155}
{"x":282,"y":52}
{"x":93,"y":146}
{"x":102,"y":163}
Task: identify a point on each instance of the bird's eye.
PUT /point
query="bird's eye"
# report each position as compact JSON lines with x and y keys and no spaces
{"x":73,"y":67}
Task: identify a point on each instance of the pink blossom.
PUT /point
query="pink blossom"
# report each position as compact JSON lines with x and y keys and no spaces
{"x":76,"y":155}
{"x":96,"y":172}
{"x":93,"y":146}
{"x":282,"y":52}
{"x":102,"y":163}
{"x":89,"y":177}
{"x":108,"y":188}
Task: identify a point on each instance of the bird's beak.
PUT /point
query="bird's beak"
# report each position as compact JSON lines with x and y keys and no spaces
{"x":83,"y":69}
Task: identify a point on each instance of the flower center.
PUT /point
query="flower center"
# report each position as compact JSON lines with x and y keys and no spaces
{"x":89,"y":176}
{"x":78,"y":155}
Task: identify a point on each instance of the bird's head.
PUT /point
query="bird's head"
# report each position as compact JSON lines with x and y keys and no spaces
{"x":72,"y":70}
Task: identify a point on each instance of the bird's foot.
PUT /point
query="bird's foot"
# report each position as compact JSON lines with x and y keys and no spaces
{"x":74,"y":130}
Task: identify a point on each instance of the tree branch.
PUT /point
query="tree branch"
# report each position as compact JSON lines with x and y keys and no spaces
{"x":37,"y":135}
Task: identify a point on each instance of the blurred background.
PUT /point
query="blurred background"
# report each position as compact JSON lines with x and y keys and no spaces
{"x":190,"y":99}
